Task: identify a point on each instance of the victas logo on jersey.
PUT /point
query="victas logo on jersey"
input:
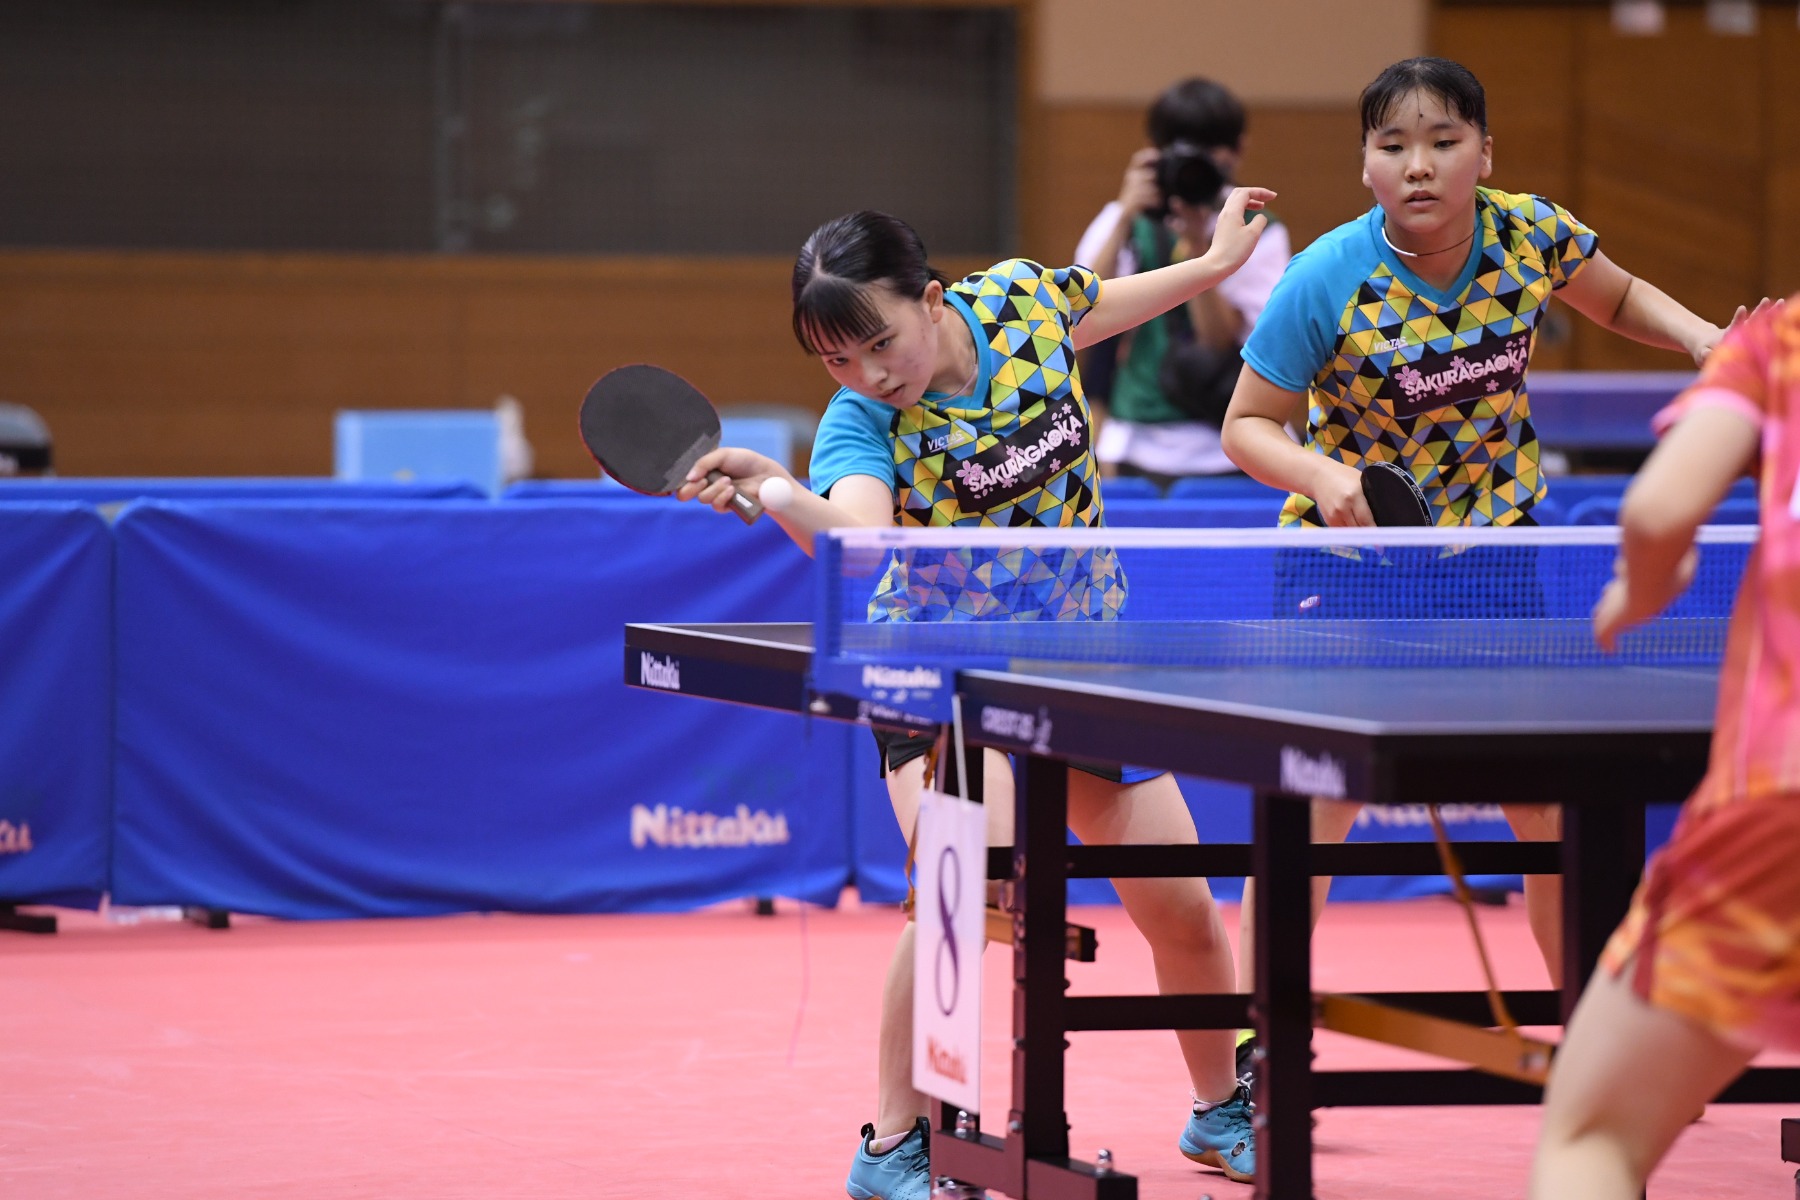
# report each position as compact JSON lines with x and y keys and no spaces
{"x":957,"y":435}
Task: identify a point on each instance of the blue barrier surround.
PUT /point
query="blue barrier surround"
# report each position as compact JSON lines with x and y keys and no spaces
{"x":1601,"y":410}
{"x":252,"y":641}
{"x":411,"y":709}
{"x":56,"y":690}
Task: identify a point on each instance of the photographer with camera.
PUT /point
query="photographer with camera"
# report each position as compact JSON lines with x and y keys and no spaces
{"x":1166,"y":385}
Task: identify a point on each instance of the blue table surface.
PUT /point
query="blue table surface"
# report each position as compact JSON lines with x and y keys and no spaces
{"x":1628,"y":699}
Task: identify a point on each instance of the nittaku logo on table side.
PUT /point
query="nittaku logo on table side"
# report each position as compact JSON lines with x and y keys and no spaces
{"x":909,"y":678}
{"x":1307,"y":776}
{"x":660,"y":673}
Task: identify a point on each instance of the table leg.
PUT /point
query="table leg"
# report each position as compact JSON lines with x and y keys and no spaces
{"x":1282,"y":1006}
{"x":1602,"y":859}
{"x":1039,"y":1117}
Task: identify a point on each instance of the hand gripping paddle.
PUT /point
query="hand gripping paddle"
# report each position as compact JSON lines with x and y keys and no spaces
{"x":647,"y":427}
{"x":1394,"y":497}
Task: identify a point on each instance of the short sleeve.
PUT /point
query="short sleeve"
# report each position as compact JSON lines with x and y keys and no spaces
{"x":852,"y":439}
{"x":1080,"y":288}
{"x":1566,"y":244}
{"x":1735,"y":377}
{"x":1294,"y":336}
{"x":1019,"y":290}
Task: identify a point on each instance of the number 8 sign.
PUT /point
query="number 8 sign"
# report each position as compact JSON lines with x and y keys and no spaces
{"x":951,"y":851}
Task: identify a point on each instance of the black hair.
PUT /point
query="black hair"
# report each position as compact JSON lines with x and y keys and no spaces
{"x":840,"y":262}
{"x":1198,"y":111}
{"x":1448,"y":82}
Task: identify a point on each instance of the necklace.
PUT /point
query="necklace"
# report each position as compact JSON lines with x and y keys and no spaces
{"x":968,"y":385}
{"x":1421,"y":253}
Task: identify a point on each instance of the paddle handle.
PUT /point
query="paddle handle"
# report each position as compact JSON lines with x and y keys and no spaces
{"x":744,"y":505}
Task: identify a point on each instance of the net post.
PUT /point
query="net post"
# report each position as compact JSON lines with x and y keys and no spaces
{"x":828,"y":557}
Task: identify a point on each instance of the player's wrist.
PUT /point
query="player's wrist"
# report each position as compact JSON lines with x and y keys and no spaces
{"x":1325,"y":474}
{"x":1700,"y":342}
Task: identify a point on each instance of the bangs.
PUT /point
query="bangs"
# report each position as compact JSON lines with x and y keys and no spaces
{"x":831,"y":311}
{"x":1380,"y":109}
{"x":1449,"y":83}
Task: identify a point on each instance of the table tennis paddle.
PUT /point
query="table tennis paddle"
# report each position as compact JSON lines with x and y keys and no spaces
{"x":1394,"y":496}
{"x":647,"y":427}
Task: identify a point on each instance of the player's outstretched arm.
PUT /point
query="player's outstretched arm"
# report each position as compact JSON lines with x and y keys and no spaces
{"x":1256,"y":439}
{"x":1682,"y":481}
{"x":1128,"y":302}
{"x":1611,"y":297}
{"x":855,"y":500}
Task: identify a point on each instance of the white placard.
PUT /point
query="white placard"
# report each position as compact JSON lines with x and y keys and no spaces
{"x":950,"y":910}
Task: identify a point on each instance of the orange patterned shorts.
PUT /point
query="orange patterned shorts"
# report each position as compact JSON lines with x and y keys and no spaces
{"x":1714,"y":930}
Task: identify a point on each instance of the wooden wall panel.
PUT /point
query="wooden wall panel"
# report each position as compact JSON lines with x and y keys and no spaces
{"x":1671,"y":171}
{"x":1085,"y":148}
{"x":1682,"y":149}
{"x":1307,"y":154}
{"x":1313,"y":157}
{"x":1532,"y":97}
{"x":234,"y":365}
{"x":1780,"y":41}
{"x":1532,"y":106}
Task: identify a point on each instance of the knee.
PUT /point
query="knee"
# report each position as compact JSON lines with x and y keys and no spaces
{"x":1180,"y":919}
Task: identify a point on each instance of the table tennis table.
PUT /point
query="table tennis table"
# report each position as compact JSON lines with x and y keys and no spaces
{"x":1602,"y":741}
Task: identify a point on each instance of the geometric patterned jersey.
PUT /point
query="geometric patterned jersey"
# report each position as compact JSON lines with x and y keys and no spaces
{"x":1398,"y":371}
{"x":1014,"y":453}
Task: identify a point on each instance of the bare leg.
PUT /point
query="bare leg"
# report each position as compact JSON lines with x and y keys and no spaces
{"x":1628,"y":1079}
{"x":898,"y":1103}
{"x":1331,"y":822}
{"x":1543,"y":893}
{"x":1176,"y":916}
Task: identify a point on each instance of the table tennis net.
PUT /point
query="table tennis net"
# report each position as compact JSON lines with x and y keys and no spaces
{"x":1249,"y":598}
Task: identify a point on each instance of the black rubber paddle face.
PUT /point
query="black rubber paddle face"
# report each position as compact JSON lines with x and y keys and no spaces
{"x":1394,"y":497}
{"x":647,"y":427}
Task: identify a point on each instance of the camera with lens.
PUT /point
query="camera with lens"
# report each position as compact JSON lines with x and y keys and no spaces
{"x":1187,"y":171}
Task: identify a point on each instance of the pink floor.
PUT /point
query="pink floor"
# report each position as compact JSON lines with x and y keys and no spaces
{"x":708,"y":1055}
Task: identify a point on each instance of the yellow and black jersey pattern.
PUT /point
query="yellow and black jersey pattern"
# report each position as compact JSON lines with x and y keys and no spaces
{"x":1014,"y":453}
{"x":1437,"y":383}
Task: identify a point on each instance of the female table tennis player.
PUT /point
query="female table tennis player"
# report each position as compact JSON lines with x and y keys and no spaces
{"x":938,"y":381}
{"x":1705,"y":969}
{"x":1408,"y":330}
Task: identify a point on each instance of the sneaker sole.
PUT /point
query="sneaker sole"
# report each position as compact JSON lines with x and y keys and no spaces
{"x":1212,"y":1158}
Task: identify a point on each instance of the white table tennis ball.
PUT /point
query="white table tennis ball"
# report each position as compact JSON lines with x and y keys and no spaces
{"x":776,"y":493}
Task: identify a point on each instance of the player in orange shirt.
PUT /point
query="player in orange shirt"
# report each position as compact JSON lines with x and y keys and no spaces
{"x":1705,"y":969}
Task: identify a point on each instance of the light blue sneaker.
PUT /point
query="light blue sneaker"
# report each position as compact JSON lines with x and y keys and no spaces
{"x":903,"y":1173}
{"x":1223,"y":1137}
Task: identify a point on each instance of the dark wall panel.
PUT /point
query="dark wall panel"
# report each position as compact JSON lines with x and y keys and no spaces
{"x":499,"y":127}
